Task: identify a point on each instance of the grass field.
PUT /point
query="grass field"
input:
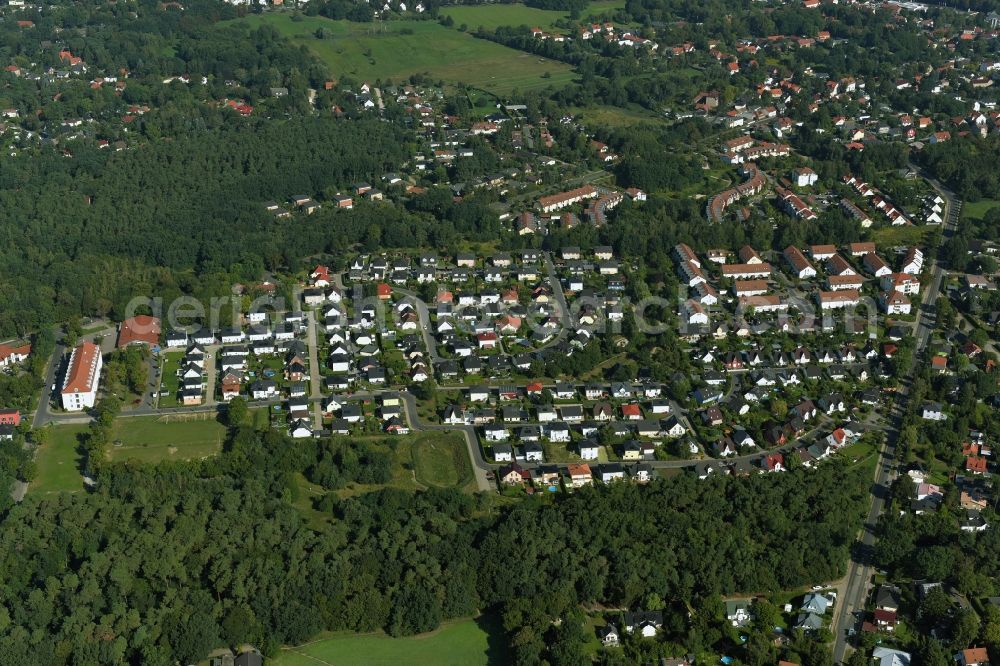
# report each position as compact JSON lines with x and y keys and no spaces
{"x":424,"y":460}
{"x":493,"y":16}
{"x":977,"y":209}
{"x":441,"y":460}
{"x":476,"y":642}
{"x":153,"y":439}
{"x":611,"y":116}
{"x":903,"y":235}
{"x":397,"y":49}
{"x":58,"y":462}
{"x":143,"y":438}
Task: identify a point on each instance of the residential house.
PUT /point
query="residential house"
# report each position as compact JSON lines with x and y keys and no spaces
{"x":976,"y":656}
{"x":800,"y":266}
{"x":815,"y":603}
{"x":933,"y":411}
{"x":738,"y":612}
{"x":513,"y":475}
{"x":579,"y":475}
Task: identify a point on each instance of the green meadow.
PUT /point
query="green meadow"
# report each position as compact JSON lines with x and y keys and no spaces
{"x":493,"y":16}
{"x":398,"y":49}
{"x":463,"y":643}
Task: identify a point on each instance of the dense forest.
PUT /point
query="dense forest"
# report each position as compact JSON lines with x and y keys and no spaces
{"x":165,"y":563}
{"x":966,"y":165}
{"x":86,"y":243}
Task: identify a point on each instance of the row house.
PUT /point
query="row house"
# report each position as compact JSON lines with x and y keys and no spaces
{"x":746,"y":271}
{"x":557,"y":201}
{"x":793,"y":205}
{"x":913,"y":262}
{"x":746,"y":288}
{"x":875,"y":265}
{"x":842,"y":282}
{"x":764,"y":303}
{"x":829,"y":300}
{"x":799,"y":264}
{"x":856,"y":213}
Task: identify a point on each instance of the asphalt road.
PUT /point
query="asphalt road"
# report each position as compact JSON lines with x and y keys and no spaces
{"x":423,"y":315}
{"x":315,"y":390}
{"x":860,"y":570}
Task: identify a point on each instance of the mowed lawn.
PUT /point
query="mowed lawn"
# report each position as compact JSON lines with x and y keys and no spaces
{"x":175,"y":437}
{"x":397,"y":49}
{"x":493,"y":16}
{"x":461,"y":643}
{"x":58,"y":462}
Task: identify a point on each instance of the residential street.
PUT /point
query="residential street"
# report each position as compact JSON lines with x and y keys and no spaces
{"x":426,"y":330}
{"x":315,"y":389}
{"x":860,"y":569}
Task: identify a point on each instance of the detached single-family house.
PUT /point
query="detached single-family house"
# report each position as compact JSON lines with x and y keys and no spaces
{"x":589,"y":449}
{"x":815,"y":603}
{"x":738,"y":612}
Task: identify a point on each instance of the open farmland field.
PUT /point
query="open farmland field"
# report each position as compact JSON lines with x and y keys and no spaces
{"x":397,"y":49}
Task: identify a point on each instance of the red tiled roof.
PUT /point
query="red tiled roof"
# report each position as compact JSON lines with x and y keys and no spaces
{"x":975,"y":656}
{"x":139,"y":329}
{"x":82,"y":363}
{"x":975,"y":464}
{"x":7,"y":351}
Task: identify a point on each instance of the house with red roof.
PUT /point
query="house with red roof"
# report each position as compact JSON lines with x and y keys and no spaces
{"x":9,"y":354}
{"x":631,"y":412}
{"x":487,"y":340}
{"x":837,"y":438}
{"x":774,"y":462}
{"x":977,"y":656}
{"x":320,"y":276}
{"x":885,"y":620}
{"x":79,"y":389}
{"x":139,"y":330}
{"x":976,"y":465}
{"x":508,"y":324}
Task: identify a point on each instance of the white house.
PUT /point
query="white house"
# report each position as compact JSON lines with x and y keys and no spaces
{"x":503,"y":453}
{"x":804,"y":177}
{"x":696,"y":314}
{"x":558,"y":432}
{"x":932,"y":411}
{"x":300,"y":430}
{"x":589,"y":450}
{"x":895,"y":303}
